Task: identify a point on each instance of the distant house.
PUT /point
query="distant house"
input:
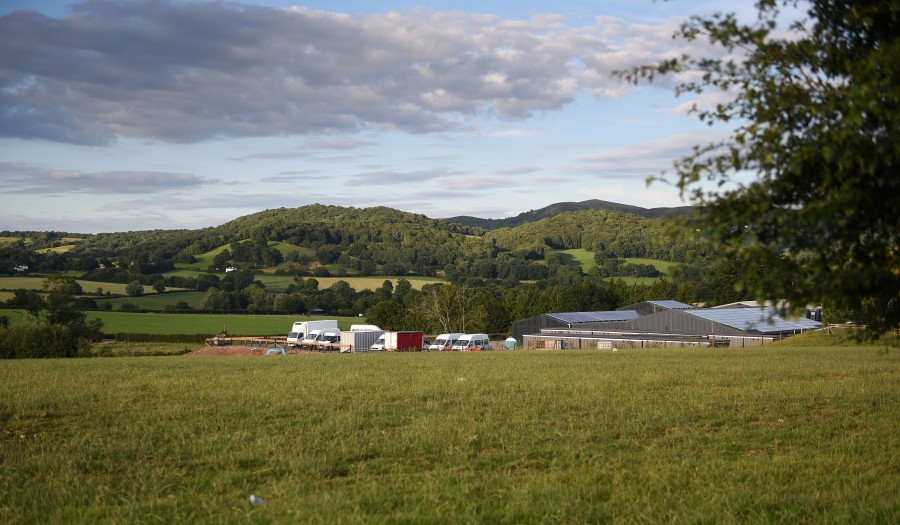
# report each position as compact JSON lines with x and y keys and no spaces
{"x":230,"y":269}
{"x":21,"y":268}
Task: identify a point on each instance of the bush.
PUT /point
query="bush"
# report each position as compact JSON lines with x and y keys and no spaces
{"x":37,"y":340}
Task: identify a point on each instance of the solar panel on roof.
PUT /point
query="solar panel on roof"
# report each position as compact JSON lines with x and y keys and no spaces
{"x":595,"y":317}
{"x":765,"y":320}
{"x":671,"y":304}
{"x":808,"y":323}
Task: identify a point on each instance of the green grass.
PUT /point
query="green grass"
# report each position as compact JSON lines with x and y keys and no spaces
{"x":751,"y":436}
{"x":375,"y":282}
{"x":838,"y":337}
{"x":162,"y":323}
{"x":280,"y":283}
{"x":663,"y":266}
{"x":577,"y":258}
{"x":157,"y":301}
{"x":89,"y":287}
{"x":203,"y":260}
{"x":583,"y":259}
{"x":634,"y":280}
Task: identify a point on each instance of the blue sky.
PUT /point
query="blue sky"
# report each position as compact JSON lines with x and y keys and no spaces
{"x":146,"y":114}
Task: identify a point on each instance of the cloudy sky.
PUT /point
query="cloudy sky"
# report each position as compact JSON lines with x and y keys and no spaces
{"x":143,"y":114}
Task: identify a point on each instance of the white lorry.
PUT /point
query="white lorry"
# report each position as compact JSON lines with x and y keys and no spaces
{"x":301,"y":329}
{"x":472,"y":343}
{"x":365,"y":328}
{"x":444,"y":342}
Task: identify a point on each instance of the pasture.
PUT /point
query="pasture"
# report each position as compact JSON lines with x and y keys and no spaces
{"x":212,"y":324}
{"x":583,"y":259}
{"x":156,"y":301}
{"x":237,"y":325}
{"x":89,"y":287}
{"x":727,"y":436}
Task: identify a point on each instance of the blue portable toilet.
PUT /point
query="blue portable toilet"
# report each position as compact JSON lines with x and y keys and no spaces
{"x":511,"y":343}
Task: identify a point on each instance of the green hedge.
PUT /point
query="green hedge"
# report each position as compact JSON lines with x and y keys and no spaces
{"x":158,"y":338}
{"x":37,"y":340}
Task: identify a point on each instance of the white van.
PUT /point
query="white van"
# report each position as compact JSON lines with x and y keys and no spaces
{"x":472,"y":343}
{"x":328,"y":340}
{"x":300,"y":329}
{"x":444,"y":342}
{"x":310,"y":340}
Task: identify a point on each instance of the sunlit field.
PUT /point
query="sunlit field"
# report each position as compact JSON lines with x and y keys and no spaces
{"x":762,"y":435}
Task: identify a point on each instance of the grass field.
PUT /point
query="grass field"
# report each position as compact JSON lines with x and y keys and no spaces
{"x":696,"y":436}
{"x":280,"y":283}
{"x":663,"y":266}
{"x":157,"y":301}
{"x":203,"y":260}
{"x":578,"y":258}
{"x":583,"y":259}
{"x":163,"y":323}
{"x":634,"y":280}
{"x":37,"y":283}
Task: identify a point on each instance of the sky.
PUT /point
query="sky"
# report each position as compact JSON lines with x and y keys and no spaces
{"x":165,"y":114}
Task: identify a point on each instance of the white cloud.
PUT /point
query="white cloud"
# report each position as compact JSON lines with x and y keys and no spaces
{"x":19,"y":178}
{"x":642,"y":160}
{"x":194,"y":71}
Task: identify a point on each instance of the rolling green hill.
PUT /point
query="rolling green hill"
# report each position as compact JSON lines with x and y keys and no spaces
{"x":562,"y":207}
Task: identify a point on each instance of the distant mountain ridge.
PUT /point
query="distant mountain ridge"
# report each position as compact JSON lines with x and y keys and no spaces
{"x":563,"y":207}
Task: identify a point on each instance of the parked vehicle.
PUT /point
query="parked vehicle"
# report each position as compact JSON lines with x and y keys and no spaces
{"x":472,"y":343}
{"x":444,"y":342}
{"x":311,"y":341}
{"x":399,"y":342}
{"x":301,"y":329}
{"x":365,"y":328}
{"x":359,"y":340}
{"x":328,"y":340}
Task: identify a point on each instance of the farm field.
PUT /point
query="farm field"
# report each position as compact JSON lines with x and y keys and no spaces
{"x":577,"y":258}
{"x":580,"y":258}
{"x":157,"y":301}
{"x":237,"y":325}
{"x":751,"y":436}
{"x":212,"y":324}
{"x":279,"y":283}
{"x":89,"y":287}
{"x":663,"y":266}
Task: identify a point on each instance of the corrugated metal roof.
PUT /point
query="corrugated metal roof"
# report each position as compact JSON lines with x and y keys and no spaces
{"x":808,"y":324}
{"x":595,"y":317}
{"x":672,"y":304}
{"x":765,"y":320}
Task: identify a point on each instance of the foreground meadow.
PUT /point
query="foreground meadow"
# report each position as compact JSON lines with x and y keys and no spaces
{"x":741,"y":436}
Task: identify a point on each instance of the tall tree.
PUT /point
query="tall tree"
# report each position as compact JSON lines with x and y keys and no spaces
{"x":817,"y":109}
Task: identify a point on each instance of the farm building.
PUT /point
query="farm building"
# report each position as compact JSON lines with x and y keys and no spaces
{"x":538,"y":323}
{"x":659,"y":323}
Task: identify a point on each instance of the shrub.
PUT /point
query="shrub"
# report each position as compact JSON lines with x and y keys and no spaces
{"x":37,"y":340}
